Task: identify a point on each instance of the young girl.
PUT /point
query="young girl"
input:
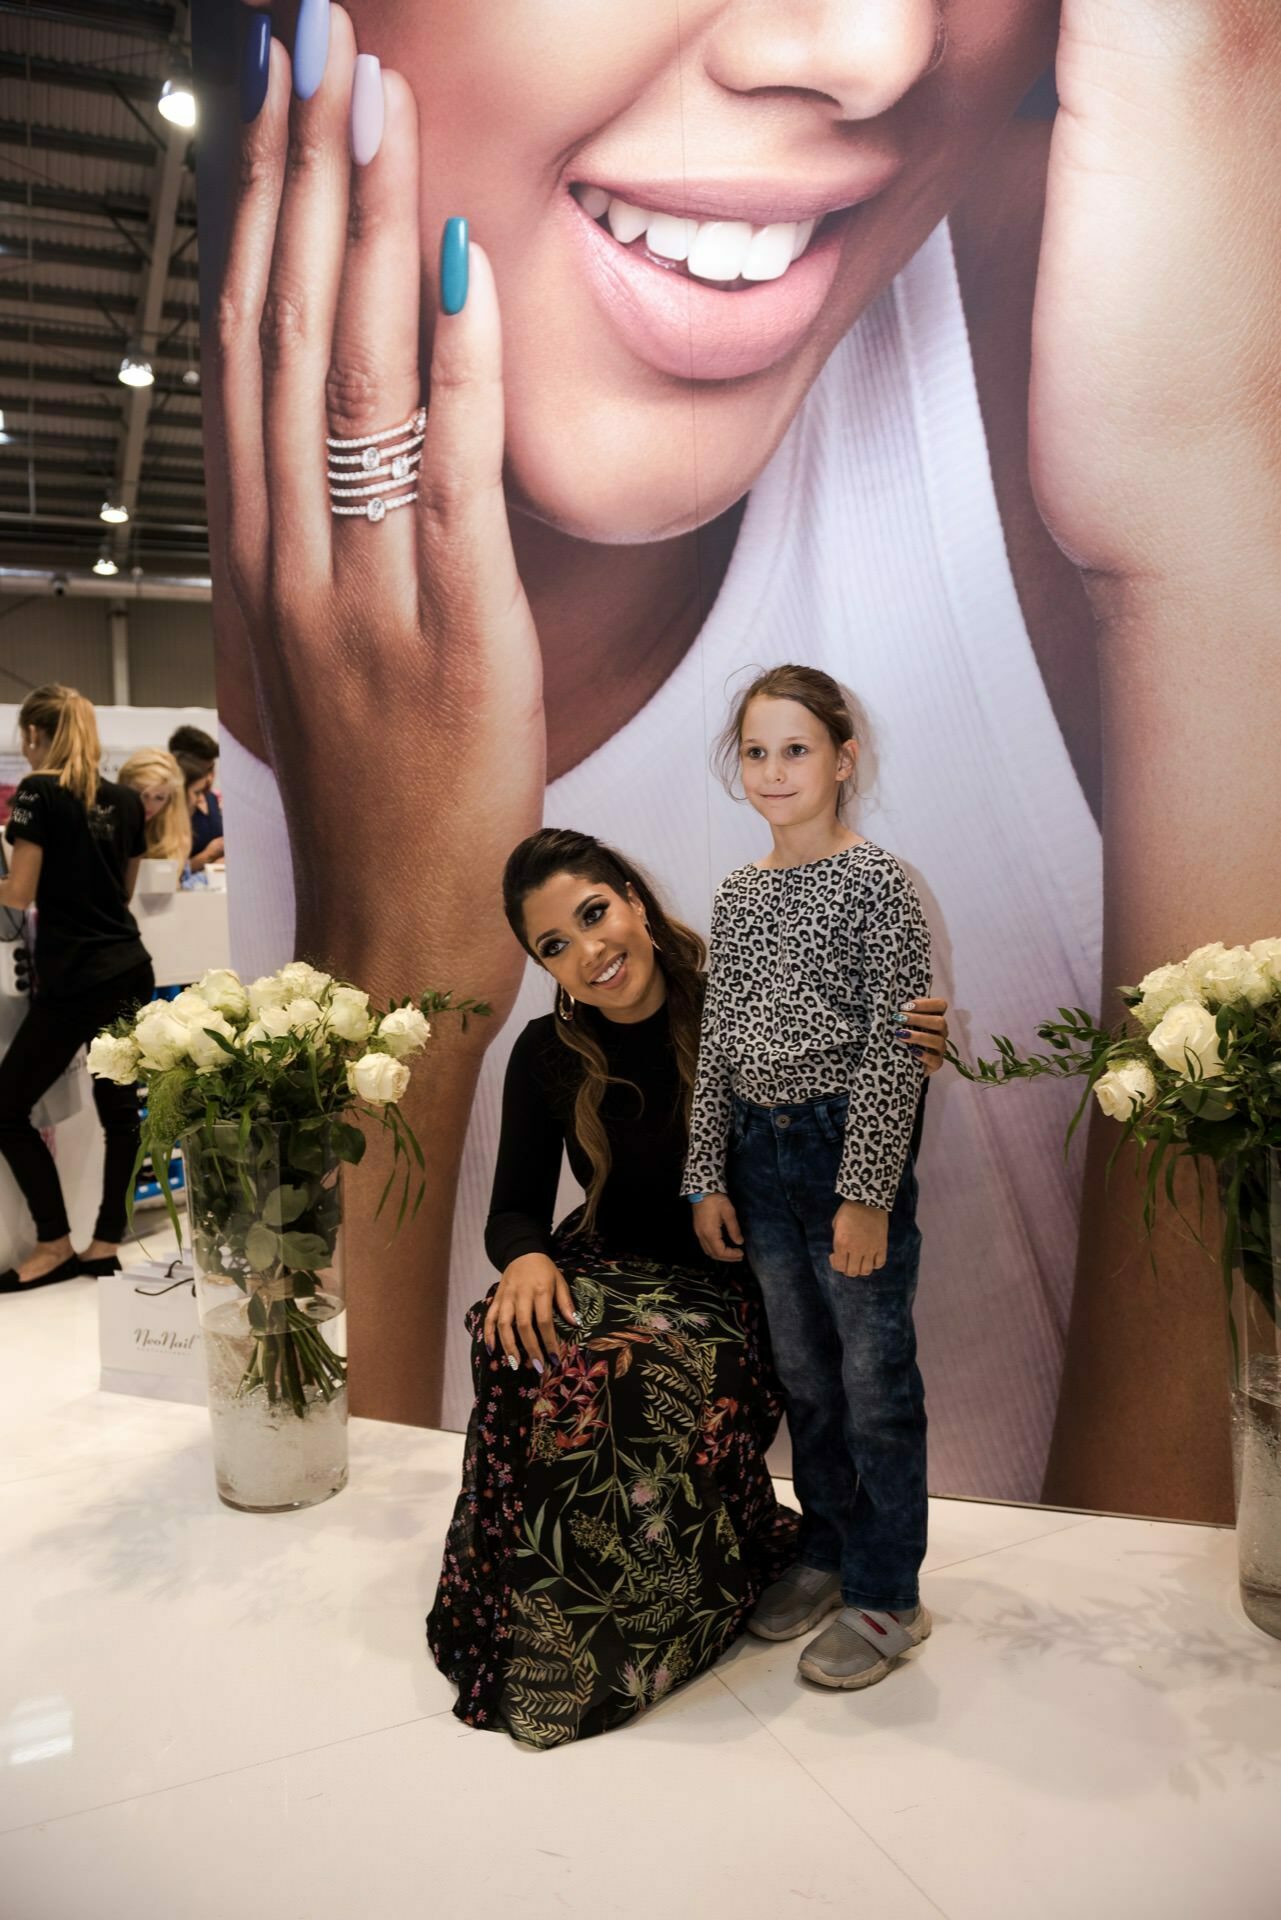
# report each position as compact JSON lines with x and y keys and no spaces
{"x":802,"y":1142}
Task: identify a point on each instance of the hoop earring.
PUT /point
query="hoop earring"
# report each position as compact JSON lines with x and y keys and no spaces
{"x":653,"y":943}
{"x":565,"y":1000}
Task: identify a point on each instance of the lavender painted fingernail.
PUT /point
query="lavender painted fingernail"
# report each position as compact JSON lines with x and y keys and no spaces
{"x":366,"y":109}
{"x":311,"y":47}
{"x":537,"y":1365}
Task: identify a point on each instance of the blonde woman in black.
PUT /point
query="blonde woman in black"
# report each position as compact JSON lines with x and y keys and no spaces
{"x":75,"y":843}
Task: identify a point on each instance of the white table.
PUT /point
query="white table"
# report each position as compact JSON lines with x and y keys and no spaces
{"x":208,"y":1714}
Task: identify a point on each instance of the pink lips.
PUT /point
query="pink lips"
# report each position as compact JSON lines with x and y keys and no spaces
{"x":682,"y":327}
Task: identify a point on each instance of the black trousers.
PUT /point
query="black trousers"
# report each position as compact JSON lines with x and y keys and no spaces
{"x":44,"y":1046}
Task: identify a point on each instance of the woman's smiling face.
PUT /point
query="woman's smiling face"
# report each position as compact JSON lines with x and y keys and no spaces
{"x":583,"y":137}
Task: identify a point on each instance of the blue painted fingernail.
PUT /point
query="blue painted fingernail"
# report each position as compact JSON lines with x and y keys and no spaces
{"x":453,"y":266}
{"x":489,"y":1349}
{"x":255,"y":66}
{"x":918,"y":1051}
{"x":311,"y":47}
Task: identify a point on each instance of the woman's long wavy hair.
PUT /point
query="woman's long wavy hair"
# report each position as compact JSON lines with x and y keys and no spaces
{"x":169,"y":831}
{"x":69,"y":720}
{"x":680,"y":952}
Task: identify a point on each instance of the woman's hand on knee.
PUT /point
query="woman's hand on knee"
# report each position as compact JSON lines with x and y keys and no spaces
{"x":520,"y":1317}
{"x":860,"y":1238}
{"x":924,"y":1031}
{"x":716,"y":1224}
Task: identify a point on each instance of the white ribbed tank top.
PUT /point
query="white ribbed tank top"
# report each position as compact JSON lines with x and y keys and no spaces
{"x":872,"y":547}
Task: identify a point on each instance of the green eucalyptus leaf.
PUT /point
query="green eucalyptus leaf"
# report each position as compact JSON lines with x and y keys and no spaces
{"x":262,"y":1247}
{"x":305,"y":1251}
{"x":284,"y":1204}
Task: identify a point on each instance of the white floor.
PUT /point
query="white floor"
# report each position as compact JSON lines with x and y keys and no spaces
{"x":207,"y":1714}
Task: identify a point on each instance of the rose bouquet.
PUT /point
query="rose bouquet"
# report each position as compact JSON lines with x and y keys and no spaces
{"x":264,"y":1087}
{"x":1195,"y":1073}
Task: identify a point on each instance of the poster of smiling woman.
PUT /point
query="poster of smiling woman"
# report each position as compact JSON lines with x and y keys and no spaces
{"x":686,"y":339}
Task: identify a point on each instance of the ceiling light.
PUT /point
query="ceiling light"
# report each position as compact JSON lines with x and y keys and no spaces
{"x":135,"y":370}
{"x":114,"y":512}
{"x":105,"y":565}
{"x":177,"y":102}
{"x":191,"y":377}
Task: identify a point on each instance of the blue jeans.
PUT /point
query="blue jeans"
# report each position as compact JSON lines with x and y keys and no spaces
{"x":845,"y":1349}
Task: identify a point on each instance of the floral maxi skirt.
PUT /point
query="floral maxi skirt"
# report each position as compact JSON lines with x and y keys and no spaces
{"x":616,"y":1522}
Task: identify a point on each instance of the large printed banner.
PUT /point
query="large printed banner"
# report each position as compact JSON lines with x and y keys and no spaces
{"x":822,"y":341}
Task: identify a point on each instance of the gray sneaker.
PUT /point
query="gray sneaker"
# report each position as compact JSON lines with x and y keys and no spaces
{"x":794,"y":1604}
{"x":860,"y":1646}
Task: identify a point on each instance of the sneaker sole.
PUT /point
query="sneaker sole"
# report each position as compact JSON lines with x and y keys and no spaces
{"x":866,"y":1676}
{"x":812,"y":1618}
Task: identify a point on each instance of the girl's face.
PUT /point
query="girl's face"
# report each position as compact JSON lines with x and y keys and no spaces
{"x":595,"y":944}
{"x":792,"y":771}
{"x":196,"y":802}
{"x":154,"y":800}
{"x":653,"y":365}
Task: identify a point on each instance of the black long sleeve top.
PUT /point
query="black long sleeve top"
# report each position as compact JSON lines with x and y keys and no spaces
{"x":641,"y":1211}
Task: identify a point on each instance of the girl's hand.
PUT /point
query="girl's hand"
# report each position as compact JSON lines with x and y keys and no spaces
{"x":397,"y":664}
{"x":1156,"y":381}
{"x":859,"y":1238}
{"x":716,"y":1224}
{"x":924,"y":1030}
{"x":523,"y":1303}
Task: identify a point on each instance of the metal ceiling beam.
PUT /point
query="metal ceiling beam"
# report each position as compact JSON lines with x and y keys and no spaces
{"x":29,"y":293}
{"x":20,"y":418}
{"x":18,"y":247}
{"x":83,"y":79}
{"x":87,"y":340}
{"x":98,"y":146}
{"x":155,"y":284}
{"x":141,"y":21}
{"x":113,"y":207}
{"x":94,"y":458}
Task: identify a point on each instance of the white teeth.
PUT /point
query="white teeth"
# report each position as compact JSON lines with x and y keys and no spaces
{"x":627,"y":223}
{"x":602,"y":979}
{"x":723,"y":250}
{"x":804,"y":231}
{"x":771,"y":252}
{"x":594,"y":201}
{"x":719,"y":249}
{"x":670,"y":236}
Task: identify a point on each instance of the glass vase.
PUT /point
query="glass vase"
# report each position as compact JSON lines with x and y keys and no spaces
{"x":1256,"y":1384}
{"x":265,"y":1208}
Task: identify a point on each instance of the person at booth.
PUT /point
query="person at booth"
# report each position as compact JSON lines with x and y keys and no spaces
{"x":157,"y":779}
{"x":76,"y":842}
{"x":197,"y":754}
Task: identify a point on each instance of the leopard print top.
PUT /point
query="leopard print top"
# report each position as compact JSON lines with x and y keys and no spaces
{"x":809,"y":969}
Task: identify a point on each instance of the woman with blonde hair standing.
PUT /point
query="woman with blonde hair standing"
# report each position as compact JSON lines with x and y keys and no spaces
{"x":76,"y":842}
{"x":157,"y":779}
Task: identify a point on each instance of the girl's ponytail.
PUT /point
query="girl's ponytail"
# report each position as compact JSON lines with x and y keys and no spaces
{"x":74,"y":752}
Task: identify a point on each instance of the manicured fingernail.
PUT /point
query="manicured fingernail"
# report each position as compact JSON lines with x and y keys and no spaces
{"x":537,"y":1365}
{"x":577,"y":1319}
{"x":255,"y":66}
{"x":513,"y":1362}
{"x":902,"y":1033}
{"x":453,"y":266}
{"x":909,"y":1008}
{"x":366,"y":109}
{"x":918,"y":1051}
{"x":489,"y":1349}
{"x":311,"y":47}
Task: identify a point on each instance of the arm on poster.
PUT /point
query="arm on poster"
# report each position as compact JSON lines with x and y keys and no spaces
{"x":354,"y":622}
{"x":1156,"y":455}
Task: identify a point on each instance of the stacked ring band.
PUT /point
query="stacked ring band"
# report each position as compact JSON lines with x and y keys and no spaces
{"x":379,"y":463}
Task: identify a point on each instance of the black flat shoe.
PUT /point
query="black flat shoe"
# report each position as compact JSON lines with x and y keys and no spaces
{"x":99,"y":1269}
{"x":10,"y":1283}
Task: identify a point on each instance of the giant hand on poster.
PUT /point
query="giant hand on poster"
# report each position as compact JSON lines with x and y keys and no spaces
{"x":685,"y":459}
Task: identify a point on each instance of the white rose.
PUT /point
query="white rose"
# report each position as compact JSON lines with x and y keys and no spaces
{"x":113,"y":1059}
{"x":161,"y":1039}
{"x":303,"y":982}
{"x":405,"y":1031}
{"x":349,"y":1015}
{"x":378,"y":1078}
{"x":223,"y":990}
{"x":204,"y":1050}
{"x":1162,"y":989}
{"x":302,"y":1015}
{"x":1236,"y":976}
{"x":271,"y":1024}
{"x":190,"y":1007}
{"x":269,"y":991}
{"x":1123,"y":1091}
{"x":1186,"y":1040}
{"x":1268,"y":955}
{"x":1196,"y":963}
